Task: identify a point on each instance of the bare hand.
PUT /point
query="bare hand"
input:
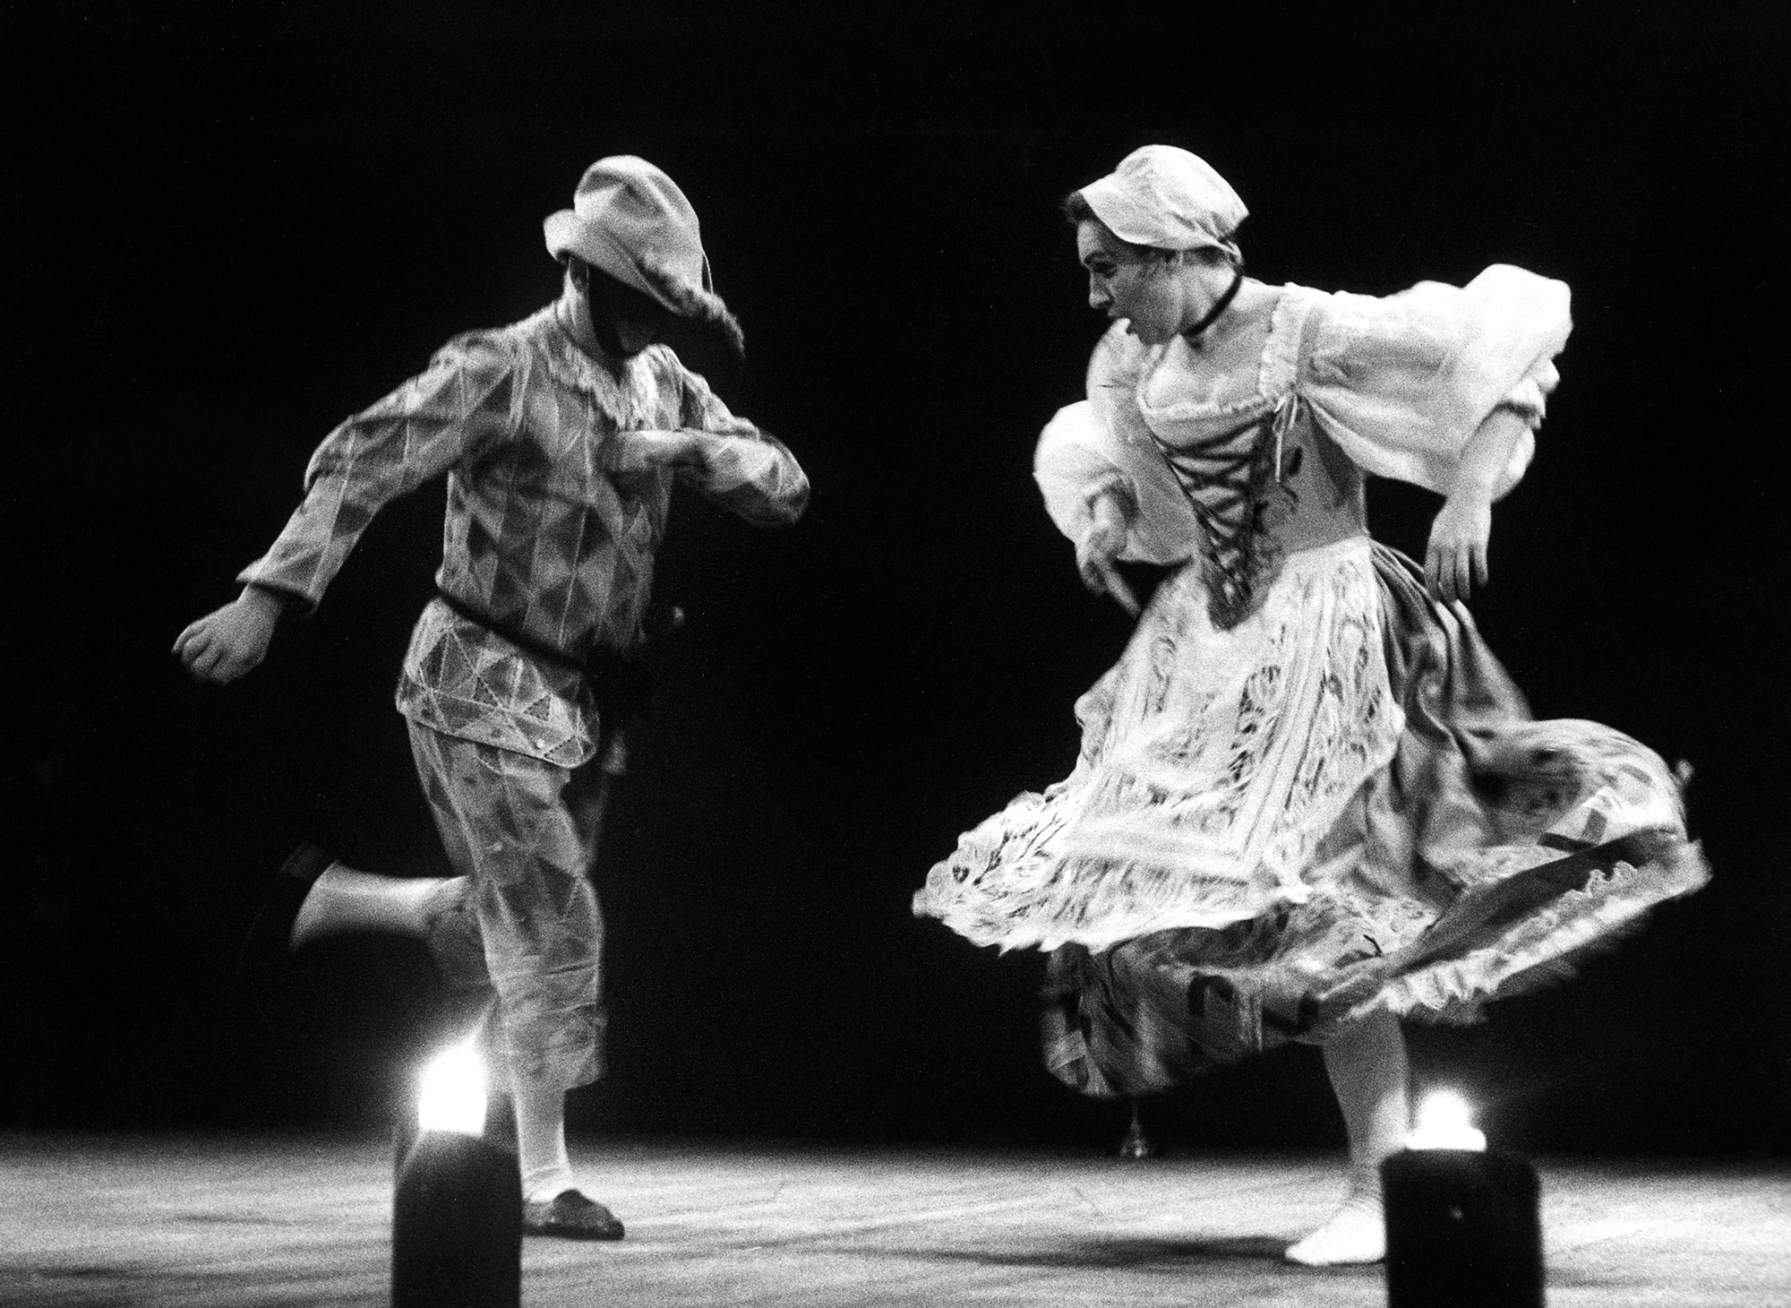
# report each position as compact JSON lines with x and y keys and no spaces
{"x":1097,"y":557}
{"x":229,"y":642}
{"x":1456,"y":560}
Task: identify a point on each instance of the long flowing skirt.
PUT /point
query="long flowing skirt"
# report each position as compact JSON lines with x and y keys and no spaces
{"x":1341,"y":805}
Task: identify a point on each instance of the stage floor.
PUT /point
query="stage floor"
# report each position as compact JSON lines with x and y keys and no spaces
{"x":227,"y":1222}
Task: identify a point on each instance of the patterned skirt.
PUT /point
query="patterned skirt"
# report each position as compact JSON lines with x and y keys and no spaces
{"x":1339,"y":806}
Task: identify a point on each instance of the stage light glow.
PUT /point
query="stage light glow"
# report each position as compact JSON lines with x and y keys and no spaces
{"x":451,"y":1093}
{"x":456,"y":1210}
{"x":1445,"y":1121}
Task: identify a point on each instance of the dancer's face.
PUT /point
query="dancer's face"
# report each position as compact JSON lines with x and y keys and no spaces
{"x":624,"y":320}
{"x":1142,"y":287}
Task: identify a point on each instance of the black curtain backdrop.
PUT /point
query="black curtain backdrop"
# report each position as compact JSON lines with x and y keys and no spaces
{"x":233,"y":225}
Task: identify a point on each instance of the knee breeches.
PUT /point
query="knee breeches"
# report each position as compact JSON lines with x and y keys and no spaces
{"x":522,"y":917}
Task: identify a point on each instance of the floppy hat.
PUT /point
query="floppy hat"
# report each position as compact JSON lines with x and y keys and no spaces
{"x":1166,"y":197}
{"x":629,"y":220}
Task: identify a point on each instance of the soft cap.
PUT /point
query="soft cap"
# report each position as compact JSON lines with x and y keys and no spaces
{"x":1165,"y":197}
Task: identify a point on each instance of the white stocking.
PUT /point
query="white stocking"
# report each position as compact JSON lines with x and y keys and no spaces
{"x":343,"y":900}
{"x":1367,"y":1066}
{"x":541,"y":1140}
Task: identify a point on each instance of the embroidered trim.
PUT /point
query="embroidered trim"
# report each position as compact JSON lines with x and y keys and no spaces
{"x":1212,"y":766}
{"x":1547,"y":945}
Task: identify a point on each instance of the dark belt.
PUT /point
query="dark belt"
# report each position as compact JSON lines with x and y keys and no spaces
{"x":621,"y":682}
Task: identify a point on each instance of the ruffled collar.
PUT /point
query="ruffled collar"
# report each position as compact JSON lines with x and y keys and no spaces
{"x":624,"y":391}
{"x":1277,"y":367}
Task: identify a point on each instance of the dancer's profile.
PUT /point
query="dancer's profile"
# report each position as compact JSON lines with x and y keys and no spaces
{"x":560,"y":437}
{"x":1309,"y":801}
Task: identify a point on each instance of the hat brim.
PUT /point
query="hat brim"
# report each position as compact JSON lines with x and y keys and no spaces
{"x":567,"y":233}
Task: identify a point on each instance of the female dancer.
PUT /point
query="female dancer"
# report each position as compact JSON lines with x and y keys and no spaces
{"x":1309,"y":801}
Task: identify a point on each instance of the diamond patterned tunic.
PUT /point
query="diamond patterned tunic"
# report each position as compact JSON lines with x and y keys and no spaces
{"x":559,"y":479}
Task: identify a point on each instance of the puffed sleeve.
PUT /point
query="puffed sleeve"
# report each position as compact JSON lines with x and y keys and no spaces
{"x":1402,"y":382}
{"x":1101,"y":444}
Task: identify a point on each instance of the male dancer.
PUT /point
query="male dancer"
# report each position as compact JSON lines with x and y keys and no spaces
{"x":560,"y":437}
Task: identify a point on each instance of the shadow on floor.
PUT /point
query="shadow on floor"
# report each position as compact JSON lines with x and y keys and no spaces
{"x":1139,"y":1254}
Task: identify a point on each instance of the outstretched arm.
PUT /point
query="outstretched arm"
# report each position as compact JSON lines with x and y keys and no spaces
{"x":461,"y":404}
{"x":1456,"y":561}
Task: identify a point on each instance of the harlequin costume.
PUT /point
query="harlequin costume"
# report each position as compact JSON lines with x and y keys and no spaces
{"x":558,"y":489}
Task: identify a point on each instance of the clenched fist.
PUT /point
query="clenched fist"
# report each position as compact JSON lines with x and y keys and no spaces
{"x":229,"y":642}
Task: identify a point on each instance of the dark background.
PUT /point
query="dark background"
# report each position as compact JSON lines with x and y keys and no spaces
{"x":234,"y":225}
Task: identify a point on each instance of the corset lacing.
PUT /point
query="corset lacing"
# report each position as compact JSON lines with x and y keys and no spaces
{"x":1230,"y":479}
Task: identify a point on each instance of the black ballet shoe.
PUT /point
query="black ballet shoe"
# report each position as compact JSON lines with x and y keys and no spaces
{"x":269,"y":937}
{"x":570,"y":1216}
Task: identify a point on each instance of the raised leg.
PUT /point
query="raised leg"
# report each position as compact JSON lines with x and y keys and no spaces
{"x":343,"y":899}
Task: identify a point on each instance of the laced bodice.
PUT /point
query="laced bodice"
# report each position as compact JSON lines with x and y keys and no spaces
{"x":1242,"y":463}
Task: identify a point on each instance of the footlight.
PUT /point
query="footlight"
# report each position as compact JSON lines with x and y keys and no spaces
{"x":457,"y":1208}
{"x":1463,"y":1221}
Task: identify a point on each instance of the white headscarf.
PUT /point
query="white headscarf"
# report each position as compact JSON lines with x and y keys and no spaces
{"x":1166,"y":197}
